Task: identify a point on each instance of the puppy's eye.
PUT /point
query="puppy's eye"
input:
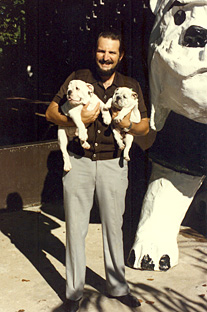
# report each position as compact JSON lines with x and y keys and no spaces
{"x":124,"y":97}
{"x":77,"y":88}
{"x":179,"y":17}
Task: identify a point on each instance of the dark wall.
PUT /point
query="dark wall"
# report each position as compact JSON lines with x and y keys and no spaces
{"x":58,"y":38}
{"x":30,"y":174}
{"x":61,"y":35}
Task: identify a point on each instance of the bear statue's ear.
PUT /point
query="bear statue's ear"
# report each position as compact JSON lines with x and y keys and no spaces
{"x":155,"y":5}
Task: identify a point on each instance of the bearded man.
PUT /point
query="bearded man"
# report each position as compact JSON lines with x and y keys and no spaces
{"x":99,"y":172}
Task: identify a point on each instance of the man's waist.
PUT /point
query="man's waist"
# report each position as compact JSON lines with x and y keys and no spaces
{"x":103,"y":152}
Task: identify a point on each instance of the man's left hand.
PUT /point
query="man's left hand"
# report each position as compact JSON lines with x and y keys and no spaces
{"x":125,"y":122}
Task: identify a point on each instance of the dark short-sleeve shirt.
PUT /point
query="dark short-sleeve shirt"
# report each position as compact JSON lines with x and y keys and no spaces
{"x":100,"y":137}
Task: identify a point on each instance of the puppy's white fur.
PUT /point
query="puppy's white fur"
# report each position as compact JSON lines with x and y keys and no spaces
{"x":79,"y":93}
{"x":125,"y":101}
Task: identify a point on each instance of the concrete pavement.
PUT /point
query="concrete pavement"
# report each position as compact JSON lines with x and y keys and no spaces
{"x":32,"y":270}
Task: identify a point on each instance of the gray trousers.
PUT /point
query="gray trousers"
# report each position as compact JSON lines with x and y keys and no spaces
{"x":107,"y":180}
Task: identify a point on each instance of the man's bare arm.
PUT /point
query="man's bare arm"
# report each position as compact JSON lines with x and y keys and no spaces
{"x":53,"y":115}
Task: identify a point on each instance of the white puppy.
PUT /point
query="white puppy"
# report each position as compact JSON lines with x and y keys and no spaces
{"x":124,"y":101}
{"x":79,"y":93}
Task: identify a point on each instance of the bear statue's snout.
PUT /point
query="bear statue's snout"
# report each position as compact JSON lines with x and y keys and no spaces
{"x":195,"y":36}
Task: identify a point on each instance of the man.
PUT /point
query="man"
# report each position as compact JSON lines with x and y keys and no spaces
{"x":100,"y":171}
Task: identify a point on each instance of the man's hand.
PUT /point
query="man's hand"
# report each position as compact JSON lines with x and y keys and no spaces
{"x":125,"y":122}
{"x":137,"y":129}
{"x":90,"y":116}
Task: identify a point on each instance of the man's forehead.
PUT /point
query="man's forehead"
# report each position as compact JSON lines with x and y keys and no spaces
{"x":108,"y":43}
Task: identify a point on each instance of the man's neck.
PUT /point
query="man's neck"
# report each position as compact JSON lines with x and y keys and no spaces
{"x":107,"y":81}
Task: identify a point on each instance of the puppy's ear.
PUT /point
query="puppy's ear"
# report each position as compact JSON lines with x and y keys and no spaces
{"x":134,"y":95}
{"x":90,"y":87}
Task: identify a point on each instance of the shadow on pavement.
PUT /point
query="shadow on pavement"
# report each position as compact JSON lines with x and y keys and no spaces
{"x":169,"y":300}
{"x":30,"y":232}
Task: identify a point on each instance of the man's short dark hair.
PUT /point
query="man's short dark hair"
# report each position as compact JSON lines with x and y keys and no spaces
{"x":114,"y":35}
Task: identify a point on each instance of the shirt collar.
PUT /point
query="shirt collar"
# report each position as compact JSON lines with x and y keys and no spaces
{"x":118,"y":80}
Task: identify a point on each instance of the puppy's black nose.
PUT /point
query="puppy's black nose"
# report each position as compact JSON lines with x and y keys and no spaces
{"x":69,"y":92}
{"x":195,"y":37}
{"x":118,"y":98}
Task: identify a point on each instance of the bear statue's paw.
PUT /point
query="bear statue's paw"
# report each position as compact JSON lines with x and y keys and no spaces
{"x":147,"y":263}
{"x":164,"y":263}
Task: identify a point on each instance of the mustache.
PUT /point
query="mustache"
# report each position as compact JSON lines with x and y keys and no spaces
{"x":106,"y":62}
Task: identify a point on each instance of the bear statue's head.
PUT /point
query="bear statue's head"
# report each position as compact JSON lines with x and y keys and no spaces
{"x":178,"y":60}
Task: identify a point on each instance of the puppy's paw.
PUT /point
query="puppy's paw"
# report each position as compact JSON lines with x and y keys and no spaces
{"x":76,"y":132}
{"x":117,"y":119}
{"x":106,"y":117}
{"x":67,"y":167}
{"x":121,"y":145}
{"x":107,"y":120}
{"x":127,"y":157}
{"x":85,"y":145}
{"x":83,"y":136}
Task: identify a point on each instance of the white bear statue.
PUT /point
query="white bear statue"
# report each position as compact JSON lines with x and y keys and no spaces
{"x":178,"y":95}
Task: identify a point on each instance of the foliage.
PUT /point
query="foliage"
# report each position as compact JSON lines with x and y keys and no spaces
{"x":12,"y":22}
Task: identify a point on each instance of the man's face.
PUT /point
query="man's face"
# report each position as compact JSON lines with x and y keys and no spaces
{"x":107,"y":56}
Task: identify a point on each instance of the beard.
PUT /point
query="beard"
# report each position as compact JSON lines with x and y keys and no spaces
{"x":106,"y":73}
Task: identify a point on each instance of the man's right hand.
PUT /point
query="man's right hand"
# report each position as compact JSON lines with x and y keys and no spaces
{"x":53,"y":115}
{"x":90,"y":116}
